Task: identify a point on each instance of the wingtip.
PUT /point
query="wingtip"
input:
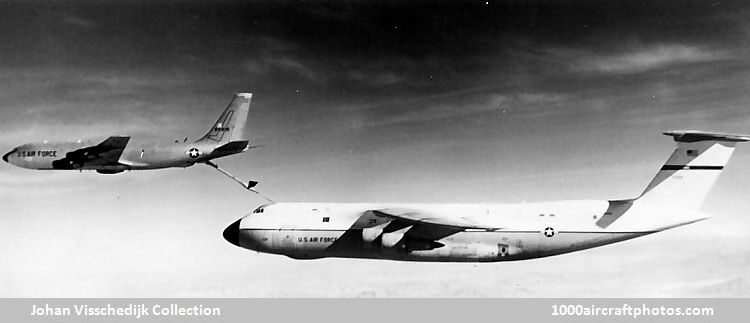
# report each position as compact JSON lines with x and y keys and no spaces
{"x":245,"y":95}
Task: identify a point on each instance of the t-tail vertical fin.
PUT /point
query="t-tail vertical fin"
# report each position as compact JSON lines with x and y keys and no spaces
{"x":231,"y":124}
{"x":692,"y":169}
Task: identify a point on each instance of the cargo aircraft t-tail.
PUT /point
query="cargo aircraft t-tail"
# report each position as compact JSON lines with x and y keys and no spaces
{"x":491,"y":232}
{"x":120,"y":153}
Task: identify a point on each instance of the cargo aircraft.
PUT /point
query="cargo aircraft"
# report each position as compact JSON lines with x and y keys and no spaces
{"x":491,"y":232}
{"x":116,"y":154}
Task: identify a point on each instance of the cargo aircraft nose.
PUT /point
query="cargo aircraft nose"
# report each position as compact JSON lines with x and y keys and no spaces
{"x":5,"y":157}
{"x":232,"y":233}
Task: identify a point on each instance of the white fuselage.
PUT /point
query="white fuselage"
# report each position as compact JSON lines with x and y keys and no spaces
{"x":527,"y":230}
{"x":492,"y":232}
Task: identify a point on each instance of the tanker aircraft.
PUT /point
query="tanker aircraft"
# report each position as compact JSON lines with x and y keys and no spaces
{"x":491,"y":232}
{"x":120,"y":153}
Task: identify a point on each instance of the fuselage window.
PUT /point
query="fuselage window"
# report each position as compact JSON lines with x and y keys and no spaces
{"x":326,"y":219}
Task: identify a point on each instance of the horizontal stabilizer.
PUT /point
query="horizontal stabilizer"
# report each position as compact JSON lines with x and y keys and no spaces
{"x":233,"y":147}
{"x":696,"y":135}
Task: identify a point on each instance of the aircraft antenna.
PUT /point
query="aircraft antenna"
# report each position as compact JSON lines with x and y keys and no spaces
{"x":248,"y":186}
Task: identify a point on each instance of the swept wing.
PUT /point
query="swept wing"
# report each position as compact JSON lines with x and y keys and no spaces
{"x":107,"y":153}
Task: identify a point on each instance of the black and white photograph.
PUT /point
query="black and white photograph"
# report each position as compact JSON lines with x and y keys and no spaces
{"x":374,"y":149}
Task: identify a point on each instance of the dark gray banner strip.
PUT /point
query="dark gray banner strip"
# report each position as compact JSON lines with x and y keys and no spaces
{"x":374,"y":310}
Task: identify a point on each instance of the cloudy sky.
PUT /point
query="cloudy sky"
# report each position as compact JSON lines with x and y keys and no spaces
{"x":392,"y":101}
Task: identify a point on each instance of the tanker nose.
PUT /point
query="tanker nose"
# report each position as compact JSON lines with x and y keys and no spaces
{"x":5,"y":157}
{"x":232,"y":233}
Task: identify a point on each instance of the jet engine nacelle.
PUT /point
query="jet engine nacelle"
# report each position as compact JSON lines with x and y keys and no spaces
{"x":370,"y":234}
{"x":391,"y":239}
